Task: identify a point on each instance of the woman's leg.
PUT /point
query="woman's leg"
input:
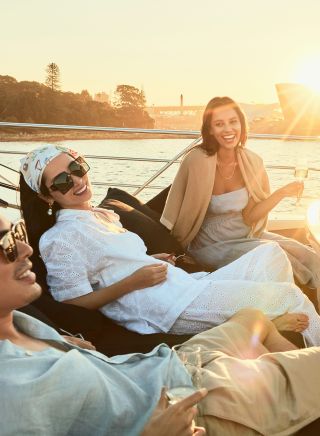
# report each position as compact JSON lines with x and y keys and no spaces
{"x":258,"y":337}
{"x":304,"y":260}
{"x":242,"y":374}
{"x":265,"y":263}
{"x":223,"y":298}
{"x":262,"y":329}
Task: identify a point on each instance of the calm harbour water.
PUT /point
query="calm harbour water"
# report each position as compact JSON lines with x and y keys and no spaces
{"x":273,"y":152}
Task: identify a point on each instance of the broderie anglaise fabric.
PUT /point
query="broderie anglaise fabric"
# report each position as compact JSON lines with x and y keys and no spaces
{"x":83,"y":254}
{"x":269,"y":289}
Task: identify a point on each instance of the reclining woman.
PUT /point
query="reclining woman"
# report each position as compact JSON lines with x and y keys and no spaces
{"x":223,"y":214}
{"x":93,"y":262}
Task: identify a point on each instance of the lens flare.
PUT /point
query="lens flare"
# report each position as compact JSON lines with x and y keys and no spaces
{"x":256,"y":335}
{"x":308,"y":73}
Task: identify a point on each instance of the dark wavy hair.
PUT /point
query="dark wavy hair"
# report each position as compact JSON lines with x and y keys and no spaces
{"x":209,"y":142}
{"x":35,"y":213}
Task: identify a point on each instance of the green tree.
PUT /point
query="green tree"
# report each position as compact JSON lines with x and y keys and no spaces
{"x":53,"y":76}
{"x":127,"y":96}
{"x":85,"y":96}
{"x":32,"y":101}
{"x":130,"y":106}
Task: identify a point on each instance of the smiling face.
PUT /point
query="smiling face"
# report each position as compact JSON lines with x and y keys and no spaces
{"x":226,"y":127}
{"x":18,"y":285}
{"x":78,"y":197}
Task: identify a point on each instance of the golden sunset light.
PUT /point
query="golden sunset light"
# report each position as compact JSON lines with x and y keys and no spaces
{"x":160,"y":215}
{"x":308,"y":73}
{"x":198,"y":49}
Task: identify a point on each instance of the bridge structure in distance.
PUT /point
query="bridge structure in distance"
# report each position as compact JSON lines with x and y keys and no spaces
{"x":175,"y":110}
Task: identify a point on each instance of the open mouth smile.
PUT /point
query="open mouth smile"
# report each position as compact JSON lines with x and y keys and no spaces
{"x":229,"y":137}
{"x":81,"y":190}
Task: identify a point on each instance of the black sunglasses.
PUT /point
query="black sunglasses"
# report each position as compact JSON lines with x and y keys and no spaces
{"x":8,"y":240}
{"x":63,"y":182}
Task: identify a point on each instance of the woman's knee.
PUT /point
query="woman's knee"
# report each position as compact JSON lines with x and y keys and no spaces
{"x":252,"y":319}
{"x":278,"y":255}
{"x":248,"y":313}
{"x":276,"y":249}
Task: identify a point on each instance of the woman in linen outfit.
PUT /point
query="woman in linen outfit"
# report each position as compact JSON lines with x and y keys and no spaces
{"x":93,"y":262}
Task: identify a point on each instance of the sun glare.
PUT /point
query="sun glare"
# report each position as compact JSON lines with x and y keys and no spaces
{"x":309,"y":74}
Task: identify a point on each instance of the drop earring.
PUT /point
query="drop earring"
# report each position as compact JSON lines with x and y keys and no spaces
{"x":50,"y":209}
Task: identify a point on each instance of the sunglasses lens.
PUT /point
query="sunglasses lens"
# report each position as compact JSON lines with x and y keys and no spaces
{"x":79,"y":167}
{"x":9,"y":247}
{"x":20,"y":232}
{"x":62,"y":183}
{"x":8,"y":241}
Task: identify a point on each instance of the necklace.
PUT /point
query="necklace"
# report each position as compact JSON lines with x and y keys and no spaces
{"x":220,"y":172}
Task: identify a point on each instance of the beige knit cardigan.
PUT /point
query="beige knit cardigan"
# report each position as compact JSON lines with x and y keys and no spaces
{"x":191,"y":192}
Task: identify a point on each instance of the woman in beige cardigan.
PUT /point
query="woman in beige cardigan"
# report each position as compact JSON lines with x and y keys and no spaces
{"x":219,"y":202}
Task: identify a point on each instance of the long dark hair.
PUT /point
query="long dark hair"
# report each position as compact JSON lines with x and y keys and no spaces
{"x":209,"y":142}
{"x":35,"y":213}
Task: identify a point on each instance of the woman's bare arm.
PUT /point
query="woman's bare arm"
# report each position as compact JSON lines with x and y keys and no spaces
{"x":144,"y":277}
{"x":254,"y":212}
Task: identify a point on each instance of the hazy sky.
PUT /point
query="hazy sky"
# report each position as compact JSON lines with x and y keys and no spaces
{"x":200,"y":48}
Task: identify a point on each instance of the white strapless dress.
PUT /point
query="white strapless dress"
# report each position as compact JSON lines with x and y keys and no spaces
{"x":223,"y":238}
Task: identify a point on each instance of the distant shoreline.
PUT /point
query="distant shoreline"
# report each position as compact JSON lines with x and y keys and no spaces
{"x":55,"y":136}
{"x":75,"y":136}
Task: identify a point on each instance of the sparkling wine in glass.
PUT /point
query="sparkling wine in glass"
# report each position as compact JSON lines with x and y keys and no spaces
{"x":178,"y":393}
{"x":190,"y":356}
{"x":300,"y":173}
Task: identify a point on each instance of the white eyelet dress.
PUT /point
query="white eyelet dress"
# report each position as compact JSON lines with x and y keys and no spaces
{"x":89,"y":250}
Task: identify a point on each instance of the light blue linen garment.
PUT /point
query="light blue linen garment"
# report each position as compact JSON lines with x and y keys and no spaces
{"x":79,"y":392}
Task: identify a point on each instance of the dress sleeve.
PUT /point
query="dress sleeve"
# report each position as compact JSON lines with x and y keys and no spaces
{"x":66,"y":260}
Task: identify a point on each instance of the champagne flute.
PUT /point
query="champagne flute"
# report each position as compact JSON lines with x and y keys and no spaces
{"x":190,"y":356}
{"x":301,"y":173}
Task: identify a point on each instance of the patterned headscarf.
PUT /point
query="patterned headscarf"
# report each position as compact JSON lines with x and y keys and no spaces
{"x":35,"y":162}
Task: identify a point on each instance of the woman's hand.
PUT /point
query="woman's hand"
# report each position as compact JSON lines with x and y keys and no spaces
{"x":175,"y":420}
{"x":254,"y":212}
{"x":293,"y":189}
{"x":170,"y":258}
{"x":149,"y":275}
{"x":145,"y":277}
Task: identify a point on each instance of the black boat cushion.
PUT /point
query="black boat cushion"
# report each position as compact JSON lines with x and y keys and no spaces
{"x":125,"y":197}
{"x":158,"y":202}
{"x":155,"y":236}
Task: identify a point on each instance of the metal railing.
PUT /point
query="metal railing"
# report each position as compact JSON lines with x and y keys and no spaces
{"x":167,"y":162}
{"x":192,"y":133}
